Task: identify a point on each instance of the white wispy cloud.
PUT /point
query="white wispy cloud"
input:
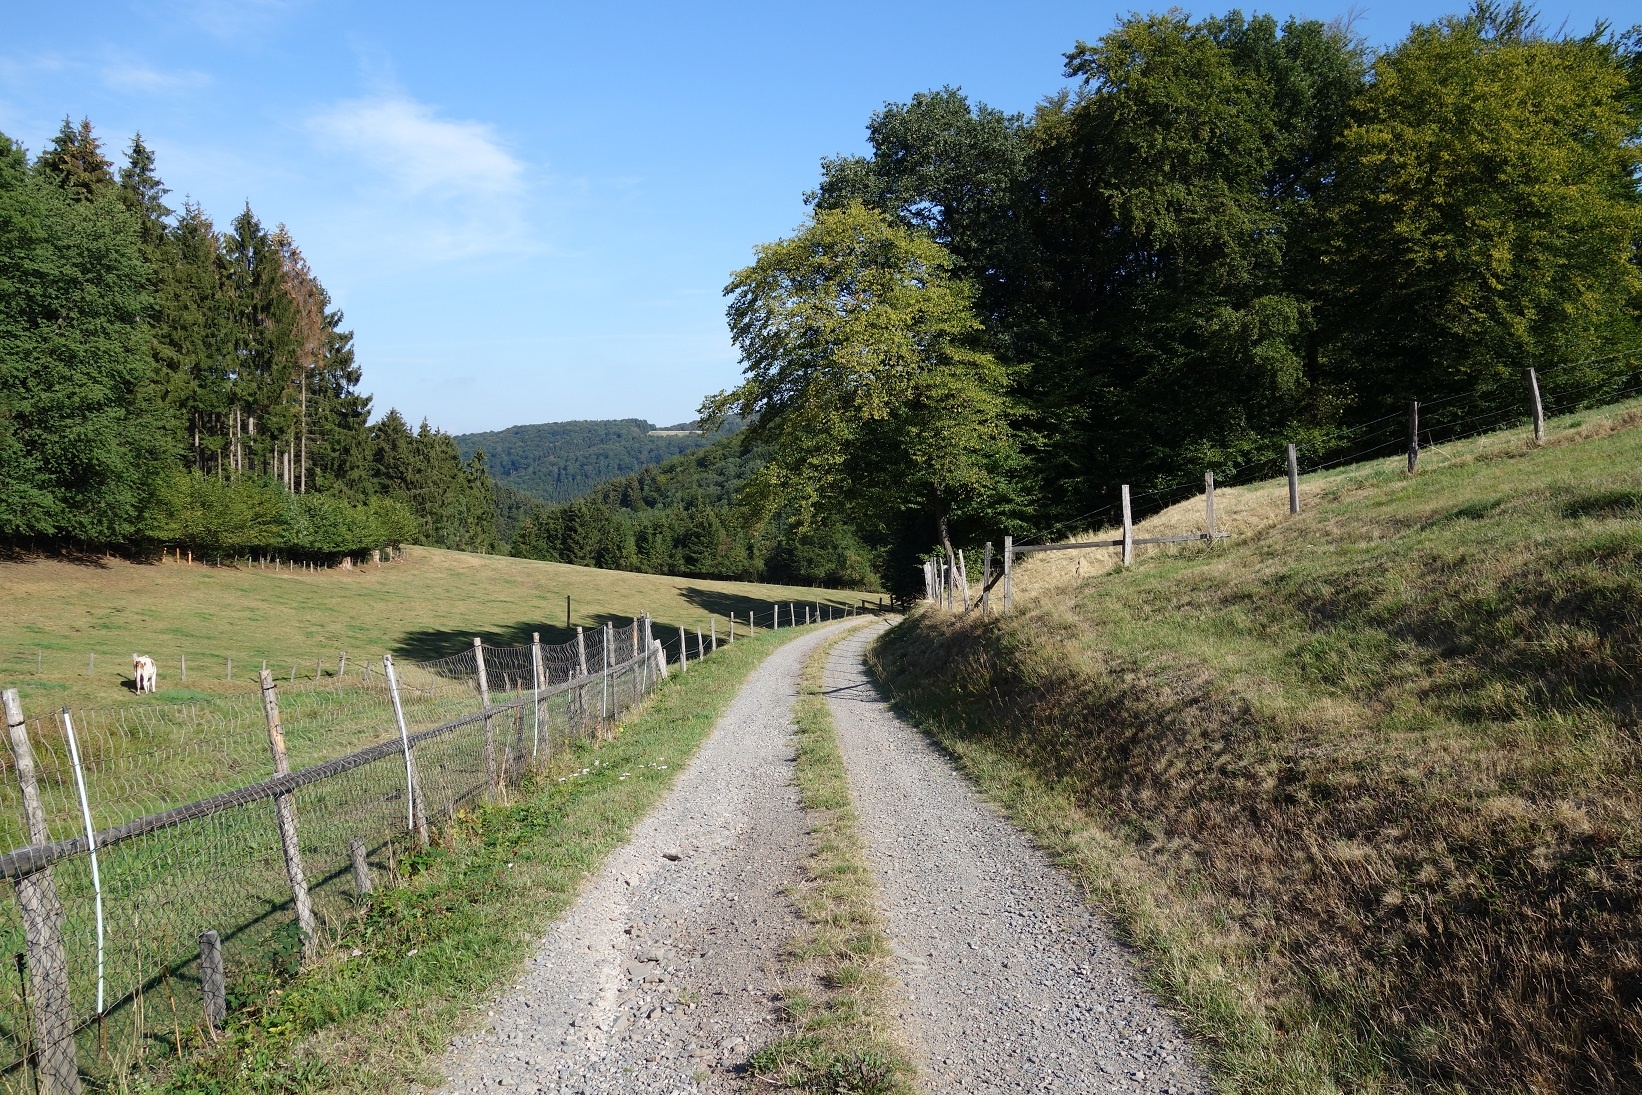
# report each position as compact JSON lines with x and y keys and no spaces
{"x":135,"y":78}
{"x":421,"y":152}
{"x":450,"y":184}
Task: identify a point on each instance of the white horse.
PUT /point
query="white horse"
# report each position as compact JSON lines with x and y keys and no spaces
{"x":142,"y":667}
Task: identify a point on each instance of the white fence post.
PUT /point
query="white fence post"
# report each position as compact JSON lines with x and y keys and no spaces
{"x":91,"y":844}
{"x":1128,"y":529}
{"x":416,"y":820}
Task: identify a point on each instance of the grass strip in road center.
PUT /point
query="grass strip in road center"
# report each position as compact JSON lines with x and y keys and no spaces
{"x":837,"y":972}
{"x":398,"y":981}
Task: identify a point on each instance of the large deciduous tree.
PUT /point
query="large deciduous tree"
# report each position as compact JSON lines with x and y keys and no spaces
{"x":863,"y":377}
{"x":1485,"y":213}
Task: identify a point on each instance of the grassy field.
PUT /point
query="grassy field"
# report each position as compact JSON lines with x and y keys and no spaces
{"x":427,"y":604}
{"x":1362,"y":783}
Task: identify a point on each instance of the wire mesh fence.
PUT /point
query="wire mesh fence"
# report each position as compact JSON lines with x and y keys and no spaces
{"x":248,"y":831}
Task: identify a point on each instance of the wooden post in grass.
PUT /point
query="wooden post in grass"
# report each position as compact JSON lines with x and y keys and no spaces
{"x":712,"y":632}
{"x":732,"y":628}
{"x":1294,"y":481}
{"x":361,"y":868}
{"x":285,"y":813}
{"x":1128,"y":529}
{"x":1413,"y":436}
{"x":963,"y":578}
{"x":986,"y":579}
{"x":701,"y":648}
{"x":341,"y":664}
{"x":1208,"y":503}
{"x":567,"y":611}
{"x":213,"y":983}
{"x":416,"y":818}
{"x":484,"y":705}
{"x":184,"y":660}
{"x":1537,"y":407}
{"x":1008,"y":574}
{"x":683,"y":651}
{"x":42,"y":914}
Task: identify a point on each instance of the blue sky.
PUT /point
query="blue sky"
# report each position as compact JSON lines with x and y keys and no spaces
{"x":528,"y":211}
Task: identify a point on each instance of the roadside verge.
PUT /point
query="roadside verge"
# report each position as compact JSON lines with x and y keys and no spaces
{"x":408,"y":971}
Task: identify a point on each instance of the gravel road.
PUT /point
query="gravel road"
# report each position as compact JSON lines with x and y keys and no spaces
{"x":661,"y":977}
{"x":1010,"y":984}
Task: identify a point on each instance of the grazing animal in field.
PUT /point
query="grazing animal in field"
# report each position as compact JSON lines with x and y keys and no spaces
{"x":142,"y":667}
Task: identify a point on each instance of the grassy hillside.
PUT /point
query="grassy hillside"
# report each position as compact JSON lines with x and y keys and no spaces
{"x":561,"y":461}
{"x":1363,"y":783}
{"x":427,"y":604}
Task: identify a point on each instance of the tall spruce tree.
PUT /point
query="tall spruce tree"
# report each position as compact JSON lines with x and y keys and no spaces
{"x":75,"y":161}
{"x":81,"y":441}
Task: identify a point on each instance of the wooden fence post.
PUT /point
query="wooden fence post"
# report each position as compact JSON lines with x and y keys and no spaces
{"x":213,"y":982}
{"x":963,"y":578}
{"x":1294,"y":481}
{"x":1008,"y":574}
{"x":1537,"y":407}
{"x":712,"y":632}
{"x":536,"y":696}
{"x":986,"y":579}
{"x":361,"y":868}
{"x":683,"y":651}
{"x":1208,"y":496}
{"x":416,"y":817}
{"x":1413,"y":436}
{"x":484,"y":705}
{"x":1128,"y":529}
{"x":285,"y":813}
{"x":42,"y":912}
{"x":732,"y":628}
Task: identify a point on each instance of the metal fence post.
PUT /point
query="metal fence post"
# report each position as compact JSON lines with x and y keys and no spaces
{"x":42,"y":912}
{"x":416,"y":818}
{"x":91,"y":845}
{"x":604,"y":677}
{"x":536,"y":693}
{"x":1208,"y":497}
{"x":285,"y":813}
{"x":581,"y":673}
{"x":1537,"y":407}
{"x":484,"y":705}
{"x":1128,"y":529}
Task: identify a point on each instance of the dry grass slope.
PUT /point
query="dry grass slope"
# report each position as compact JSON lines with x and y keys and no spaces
{"x":1364,"y":782}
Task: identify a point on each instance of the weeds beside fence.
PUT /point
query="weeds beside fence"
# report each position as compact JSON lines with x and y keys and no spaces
{"x":172,"y":861}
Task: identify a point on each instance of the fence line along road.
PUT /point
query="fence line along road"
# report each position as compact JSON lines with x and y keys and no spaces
{"x":161,"y":861}
{"x":946,"y":581}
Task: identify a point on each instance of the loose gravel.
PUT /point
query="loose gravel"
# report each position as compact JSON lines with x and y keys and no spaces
{"x":1010,"y":983}
{"x":662,"y":977}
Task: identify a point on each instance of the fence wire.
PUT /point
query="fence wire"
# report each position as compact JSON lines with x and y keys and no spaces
{"x":150,"y":826}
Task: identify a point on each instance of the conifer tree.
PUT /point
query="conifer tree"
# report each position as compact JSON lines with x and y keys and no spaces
{"x":75,"y":161}
{"x":143,"y":193}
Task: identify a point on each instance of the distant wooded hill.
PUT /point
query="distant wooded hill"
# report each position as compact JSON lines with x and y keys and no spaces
{"x":562,"y":461}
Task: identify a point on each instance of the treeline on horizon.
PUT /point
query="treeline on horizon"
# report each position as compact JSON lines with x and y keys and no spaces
{"x":680,"y":517}
{"x":1231,"y":234}
{"x":164,"y":382}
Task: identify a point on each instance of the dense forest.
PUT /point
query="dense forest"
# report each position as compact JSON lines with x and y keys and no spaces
{"x":164,"y":382}
{"x":1230,"y":234}
{"x":561,"y":461}
{"x":680,"y":517}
